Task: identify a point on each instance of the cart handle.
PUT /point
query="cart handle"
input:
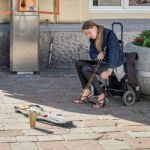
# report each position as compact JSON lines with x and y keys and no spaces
{"x":121,"y":27}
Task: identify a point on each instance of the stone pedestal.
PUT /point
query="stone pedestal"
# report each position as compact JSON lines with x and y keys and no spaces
{"x":143,"y":66}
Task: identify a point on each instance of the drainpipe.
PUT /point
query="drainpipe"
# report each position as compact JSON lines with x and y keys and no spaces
{"x":55,"y":10}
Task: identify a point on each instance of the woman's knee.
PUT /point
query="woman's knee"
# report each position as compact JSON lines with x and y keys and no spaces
{"x":86,"y":70}
{"x":78,"y":63}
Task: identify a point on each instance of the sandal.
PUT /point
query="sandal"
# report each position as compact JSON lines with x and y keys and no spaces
{"x":100,"y":104}
{"x":82,"y":99}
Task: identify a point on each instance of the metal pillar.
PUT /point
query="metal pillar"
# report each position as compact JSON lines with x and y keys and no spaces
{"x":24,"y":38}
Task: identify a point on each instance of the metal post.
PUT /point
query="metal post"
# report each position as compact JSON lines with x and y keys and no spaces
{"x":24,"y":38}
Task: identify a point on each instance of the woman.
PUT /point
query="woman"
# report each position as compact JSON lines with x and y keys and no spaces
{"x":104,"y":47}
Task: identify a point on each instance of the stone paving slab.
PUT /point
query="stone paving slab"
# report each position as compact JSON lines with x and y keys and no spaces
{"x":82,"y":136}
{"x":15,"y":126}
{"x":24,"y":146}
{"x":8,"y":120}
{"x":83,"y":145}
{"x":33,"y":132}
{"x":139,"y":134}
{"x":1,"y":127}
{"x":7,"y":139}
{"x":105,"y":129}
{"x":115,"y":145}
{"x":5,"y":146}
{"x":96,"y":123}
{"x":55,"y":145}
{"x":11,"y":133}
{"x":46,"y":138}
{"x":27,"y":138}
{"x":140,"y":143}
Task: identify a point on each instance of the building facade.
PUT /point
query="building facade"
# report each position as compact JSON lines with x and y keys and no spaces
{"x":81,"y":10}
{"x":69,"y":43}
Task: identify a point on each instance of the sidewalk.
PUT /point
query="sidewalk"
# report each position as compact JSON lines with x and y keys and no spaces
{"x":115,"y":127}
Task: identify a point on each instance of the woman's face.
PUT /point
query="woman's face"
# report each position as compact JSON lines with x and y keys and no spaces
{"x":91,"y":32}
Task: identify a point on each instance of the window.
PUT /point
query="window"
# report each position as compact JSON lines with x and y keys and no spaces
{"x":139,"y":2}
{"x":107,"y":2}
{"x":141,"y":6}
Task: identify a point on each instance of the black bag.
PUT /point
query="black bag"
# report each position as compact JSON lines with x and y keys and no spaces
{"x":131,"y":70}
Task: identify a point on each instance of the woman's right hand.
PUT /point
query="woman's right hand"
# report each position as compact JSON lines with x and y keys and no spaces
{"x":100,"y":56}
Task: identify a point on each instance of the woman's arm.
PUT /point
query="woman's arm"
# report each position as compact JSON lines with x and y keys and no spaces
{"x":114,"y":48}
{"x":113,"y":53}
{"x":93,"y":52}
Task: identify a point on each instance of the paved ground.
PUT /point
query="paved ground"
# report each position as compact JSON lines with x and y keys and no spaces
{"x":115,"y":127}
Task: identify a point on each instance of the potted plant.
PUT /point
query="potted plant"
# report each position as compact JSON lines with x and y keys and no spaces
{"x":141,"y":45}
{"x":143,"y":39}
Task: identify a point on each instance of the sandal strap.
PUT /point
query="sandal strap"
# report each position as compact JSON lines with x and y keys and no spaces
{"x":101,"y":100}
{"x":99,"y":104}
{"x":85,"y":98}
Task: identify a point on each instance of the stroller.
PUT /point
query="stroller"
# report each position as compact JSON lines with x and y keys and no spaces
{"x":128,"y":87}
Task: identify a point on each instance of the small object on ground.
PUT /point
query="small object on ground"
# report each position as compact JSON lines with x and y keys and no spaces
{"x":32,"y":119}
{"x":41,"y":114}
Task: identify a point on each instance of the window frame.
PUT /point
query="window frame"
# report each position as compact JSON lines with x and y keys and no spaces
{"x":124,"y":8}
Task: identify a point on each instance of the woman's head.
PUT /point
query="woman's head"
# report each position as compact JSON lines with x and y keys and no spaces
{"x":89,"y":28}
{"x":95,"y":32}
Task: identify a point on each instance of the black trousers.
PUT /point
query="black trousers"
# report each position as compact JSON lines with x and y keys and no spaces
{"x":85,"y":69}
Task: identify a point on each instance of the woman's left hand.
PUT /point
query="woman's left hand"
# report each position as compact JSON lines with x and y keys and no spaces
{"x":105,"y":74}
{"x":100,"y":56}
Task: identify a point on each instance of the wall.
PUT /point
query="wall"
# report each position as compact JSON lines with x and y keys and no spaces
{"x":72,"y":11}
{"x":68,"y":46}
{"x":89,"y":14}
{"x":4,"y":6}
{"x":4,"y":45}
{"x":69,"y":43}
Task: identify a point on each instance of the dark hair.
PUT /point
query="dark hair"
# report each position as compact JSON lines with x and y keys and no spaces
{"x":88,"y":24}
{"x":99,"y":38}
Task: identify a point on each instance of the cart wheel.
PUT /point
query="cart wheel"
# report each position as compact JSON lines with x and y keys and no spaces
{"x":136,"y":91}
{"x":129,"y":98}
{"x":129,"y":87}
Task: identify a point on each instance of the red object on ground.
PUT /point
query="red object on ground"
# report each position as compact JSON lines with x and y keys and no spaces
{"x":45,"y":115}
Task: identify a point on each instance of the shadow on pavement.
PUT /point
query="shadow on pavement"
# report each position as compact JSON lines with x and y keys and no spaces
{"x":59,"y":92}
{"x":43,"y":130}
